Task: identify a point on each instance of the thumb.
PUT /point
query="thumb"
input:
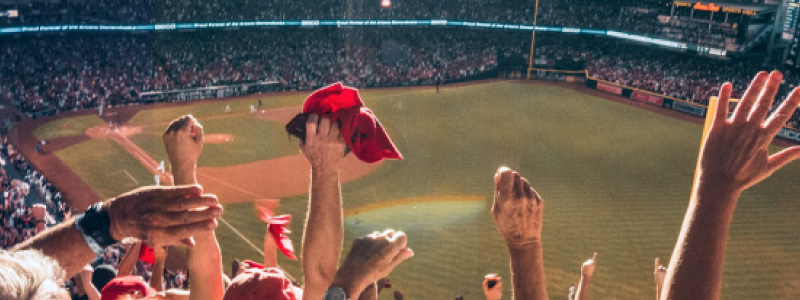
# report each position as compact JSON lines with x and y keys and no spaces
{"x":403,"y":255}
{"x":782,"y":158}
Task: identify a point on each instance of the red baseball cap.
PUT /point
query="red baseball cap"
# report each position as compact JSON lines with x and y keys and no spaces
{"x":262,"y":284}
{"x":127,"y":285}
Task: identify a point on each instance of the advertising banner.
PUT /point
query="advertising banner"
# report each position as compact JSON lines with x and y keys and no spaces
{"x":609,"y":88}
{"x":647,"y":98}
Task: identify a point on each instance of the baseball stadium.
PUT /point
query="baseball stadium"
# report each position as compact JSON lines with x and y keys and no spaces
{"x":605,"y":109}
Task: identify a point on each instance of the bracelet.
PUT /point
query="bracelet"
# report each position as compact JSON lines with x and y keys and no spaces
{"x":95,"y":226}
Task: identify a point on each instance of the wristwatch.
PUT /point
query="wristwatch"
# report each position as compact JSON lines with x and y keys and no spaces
{"x":336,"y":293}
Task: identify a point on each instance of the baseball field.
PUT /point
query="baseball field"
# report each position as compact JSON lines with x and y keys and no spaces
{"x":615,"y":178}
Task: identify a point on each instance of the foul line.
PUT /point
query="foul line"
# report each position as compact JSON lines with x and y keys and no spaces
{"x":131,"y":177}
{"x":229,"y":185}
{"x":242,"y":236}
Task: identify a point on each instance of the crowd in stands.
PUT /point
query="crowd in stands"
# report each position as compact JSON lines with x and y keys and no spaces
{"x":75,"y":72}
{"x":626,"y":15}
{"x":23,"y":189}
{"x":80,"y":71}
{"x":77,"y":12}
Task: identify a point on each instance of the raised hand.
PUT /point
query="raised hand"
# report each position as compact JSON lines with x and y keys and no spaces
{"x":494,"y":292}
{"x":659,"y":273}
{"x":39,"y":212}
{"x":736,"y":155}
{"x":163,"y":216}
{"x":324,"y":146}
{"x":184,"y":142}
{"x":517,"y":209}
{"x":371,"y":258}
{"x":587,"y":269}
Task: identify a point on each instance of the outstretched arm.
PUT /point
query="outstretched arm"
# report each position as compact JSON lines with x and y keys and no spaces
{"x":734,"y":157}
{"x":159,"y":215}
{"x":322,"y":239}
{"x":587,"y":270}
{"x":517,"y":213}
{"x":184,"y":142}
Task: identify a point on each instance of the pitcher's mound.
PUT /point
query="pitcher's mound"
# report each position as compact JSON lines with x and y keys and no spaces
{"x":218,"y":138}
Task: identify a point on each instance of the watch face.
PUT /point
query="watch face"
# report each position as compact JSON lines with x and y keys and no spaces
{"x":335,"y":293}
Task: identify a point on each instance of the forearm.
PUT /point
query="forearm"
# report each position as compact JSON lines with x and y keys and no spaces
{"x":700,"y":251}
{"x":205,"y":267}
{"x":184,"y":175}
{"x":583,"y":288}
{"x":130,"y":259}
{"x":156,"y":281}
{"x":52,"y":242}
{"x":322,"y":239}
{"x":527,"y":271}
{"x":89,"y":289}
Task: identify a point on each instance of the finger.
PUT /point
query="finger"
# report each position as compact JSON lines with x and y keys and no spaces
{"x":750,"y":97}
{"x":764,"y":102}
{"x":177,"y":234}
{"x":189,"y":217}
{"x":518,"y":193}
{"x":505,"y":182}
{"x":783,"y":113}
{"x":723,"y":104}
{"x":400,"y":239}
{"x":324,"y":128}
{"x":334,"y":131}
{"x":594,"y":258}
{"x":311,"y":126}
{"x":400,"y":257}
{"x":186,"y":204}
{"x":171,"y":192}
{"x":527,"y":190}
{"x":657,"y":263}
{"x":388,"y":233}
{"x":539,"y":200}
{"x":176,"y":124}
{"x":780,"y":159}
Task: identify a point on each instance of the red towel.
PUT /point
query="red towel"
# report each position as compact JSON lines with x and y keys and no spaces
{"x":147,"y":255}
{"x":277,"y":227}
{"x":360,"y":129}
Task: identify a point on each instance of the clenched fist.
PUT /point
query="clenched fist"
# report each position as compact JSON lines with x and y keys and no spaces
{"x":517,"y":209}
{"x":323,"y":147}
{"x":184,"y":142}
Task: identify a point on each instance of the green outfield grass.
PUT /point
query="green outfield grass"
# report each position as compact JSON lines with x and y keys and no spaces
{"x":253,"y":140}
{"x":106,"y":167}
{"x":615,"y":180}
{"x":67,"y":126}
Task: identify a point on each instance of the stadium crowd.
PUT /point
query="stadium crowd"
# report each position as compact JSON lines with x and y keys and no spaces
{"x":80,"y":72}
{"x":30,"y":202}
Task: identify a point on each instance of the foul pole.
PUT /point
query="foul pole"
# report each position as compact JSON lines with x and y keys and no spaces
{"x":533,"y":39}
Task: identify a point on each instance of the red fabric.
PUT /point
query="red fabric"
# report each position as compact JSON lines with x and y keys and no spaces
{"x":126,"y":285}
{"x":277,"y":227}
{"x":360,"y":127}
{"x":259,"y":284}
{"x":147,"y":255}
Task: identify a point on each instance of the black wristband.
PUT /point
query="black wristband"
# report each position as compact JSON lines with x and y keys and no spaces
{"x":95,"y":225}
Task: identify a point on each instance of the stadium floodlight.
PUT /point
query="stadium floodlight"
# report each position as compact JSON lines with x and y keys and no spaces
{"x":386,"y":3}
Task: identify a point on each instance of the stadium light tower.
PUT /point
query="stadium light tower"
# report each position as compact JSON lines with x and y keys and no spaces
{"x":533,"y":39}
